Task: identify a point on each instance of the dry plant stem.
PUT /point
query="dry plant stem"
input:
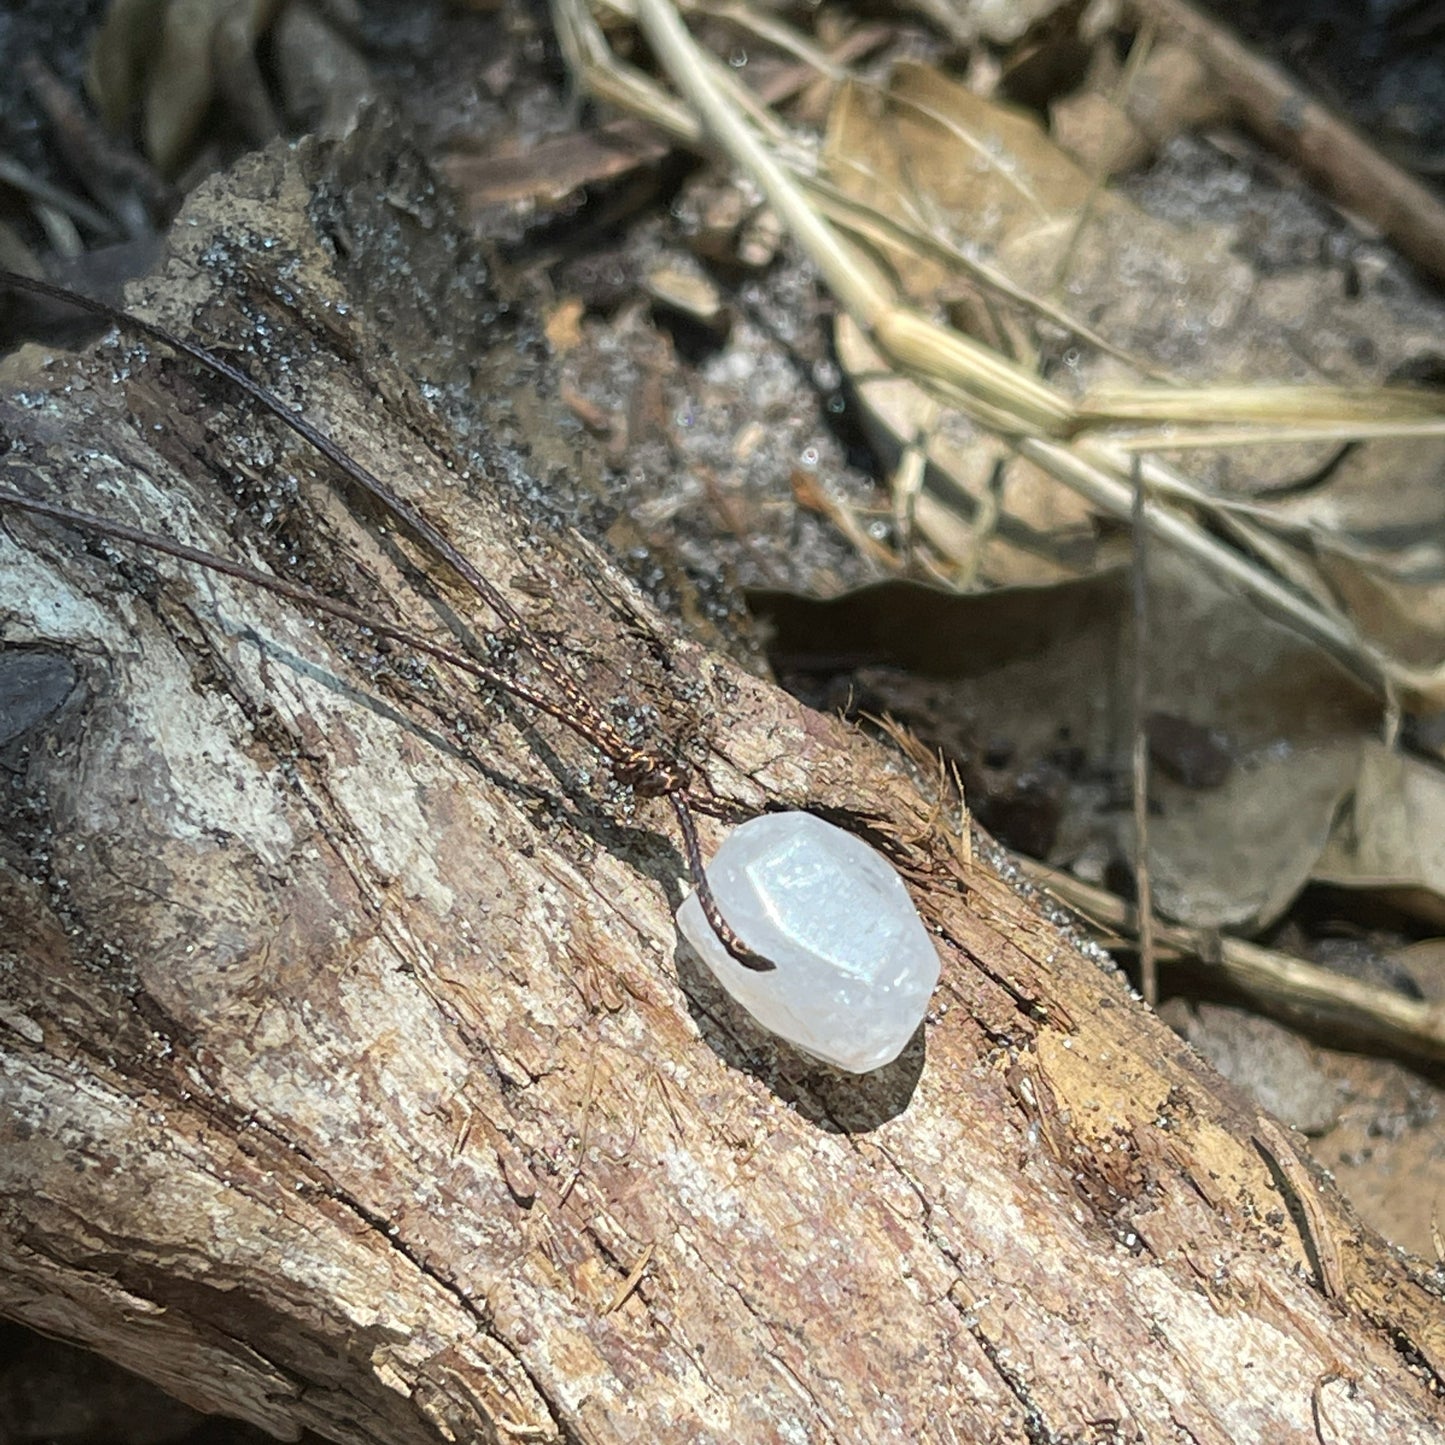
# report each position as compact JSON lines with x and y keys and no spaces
{"x":1212,"y":438}
{"x":921,"y":238}
{"x":607,"y":77}
{"x":1349,"y":168}
{"x":1143,"y":890}
{"x":649,"y":772}
{"x":909,"y":338}
{"x":594,"y":64}
{"x":1138,"y":54}
{"x":1270,"y":412}
{"x":1410,"y":1026}
{"x":1031,"y":406}
{"x":854,"y":280}
{"x":1092,"y":469}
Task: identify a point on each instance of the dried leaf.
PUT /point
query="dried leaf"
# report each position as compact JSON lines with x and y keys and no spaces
{"x":1396,"y":597}
{"x":1044,"y":532}
{"x":1042,"y":669}
{"x":175,"y":60}
{"x":323,"y":78}
{"x":119,"y":58}
{"x":1391,"y":837}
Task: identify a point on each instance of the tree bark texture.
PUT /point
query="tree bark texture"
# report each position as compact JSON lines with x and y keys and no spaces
{"x":354,"y":1076}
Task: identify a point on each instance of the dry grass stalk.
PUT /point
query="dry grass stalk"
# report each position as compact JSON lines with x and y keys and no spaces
{"x":1281,"y":983}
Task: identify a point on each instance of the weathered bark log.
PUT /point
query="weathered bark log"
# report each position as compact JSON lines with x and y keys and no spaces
{"x":354,"y":1079}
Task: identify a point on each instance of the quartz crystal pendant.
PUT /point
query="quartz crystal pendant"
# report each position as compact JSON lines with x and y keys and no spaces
{"x":855,"y":968}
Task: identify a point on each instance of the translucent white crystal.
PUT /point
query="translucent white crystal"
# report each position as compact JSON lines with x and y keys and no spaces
{"x":855,"y":968}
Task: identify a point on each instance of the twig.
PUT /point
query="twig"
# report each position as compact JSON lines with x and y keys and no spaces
{"x":12,"y":173}
{"x":112,"y":172}
{"x":1277,"y":980}
{"x":1143,"y":890}
{"x":1345,"y":164}
{"x":1090,"y":467}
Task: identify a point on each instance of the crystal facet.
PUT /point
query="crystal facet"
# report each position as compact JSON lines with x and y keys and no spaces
{"x":855,"y":968}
